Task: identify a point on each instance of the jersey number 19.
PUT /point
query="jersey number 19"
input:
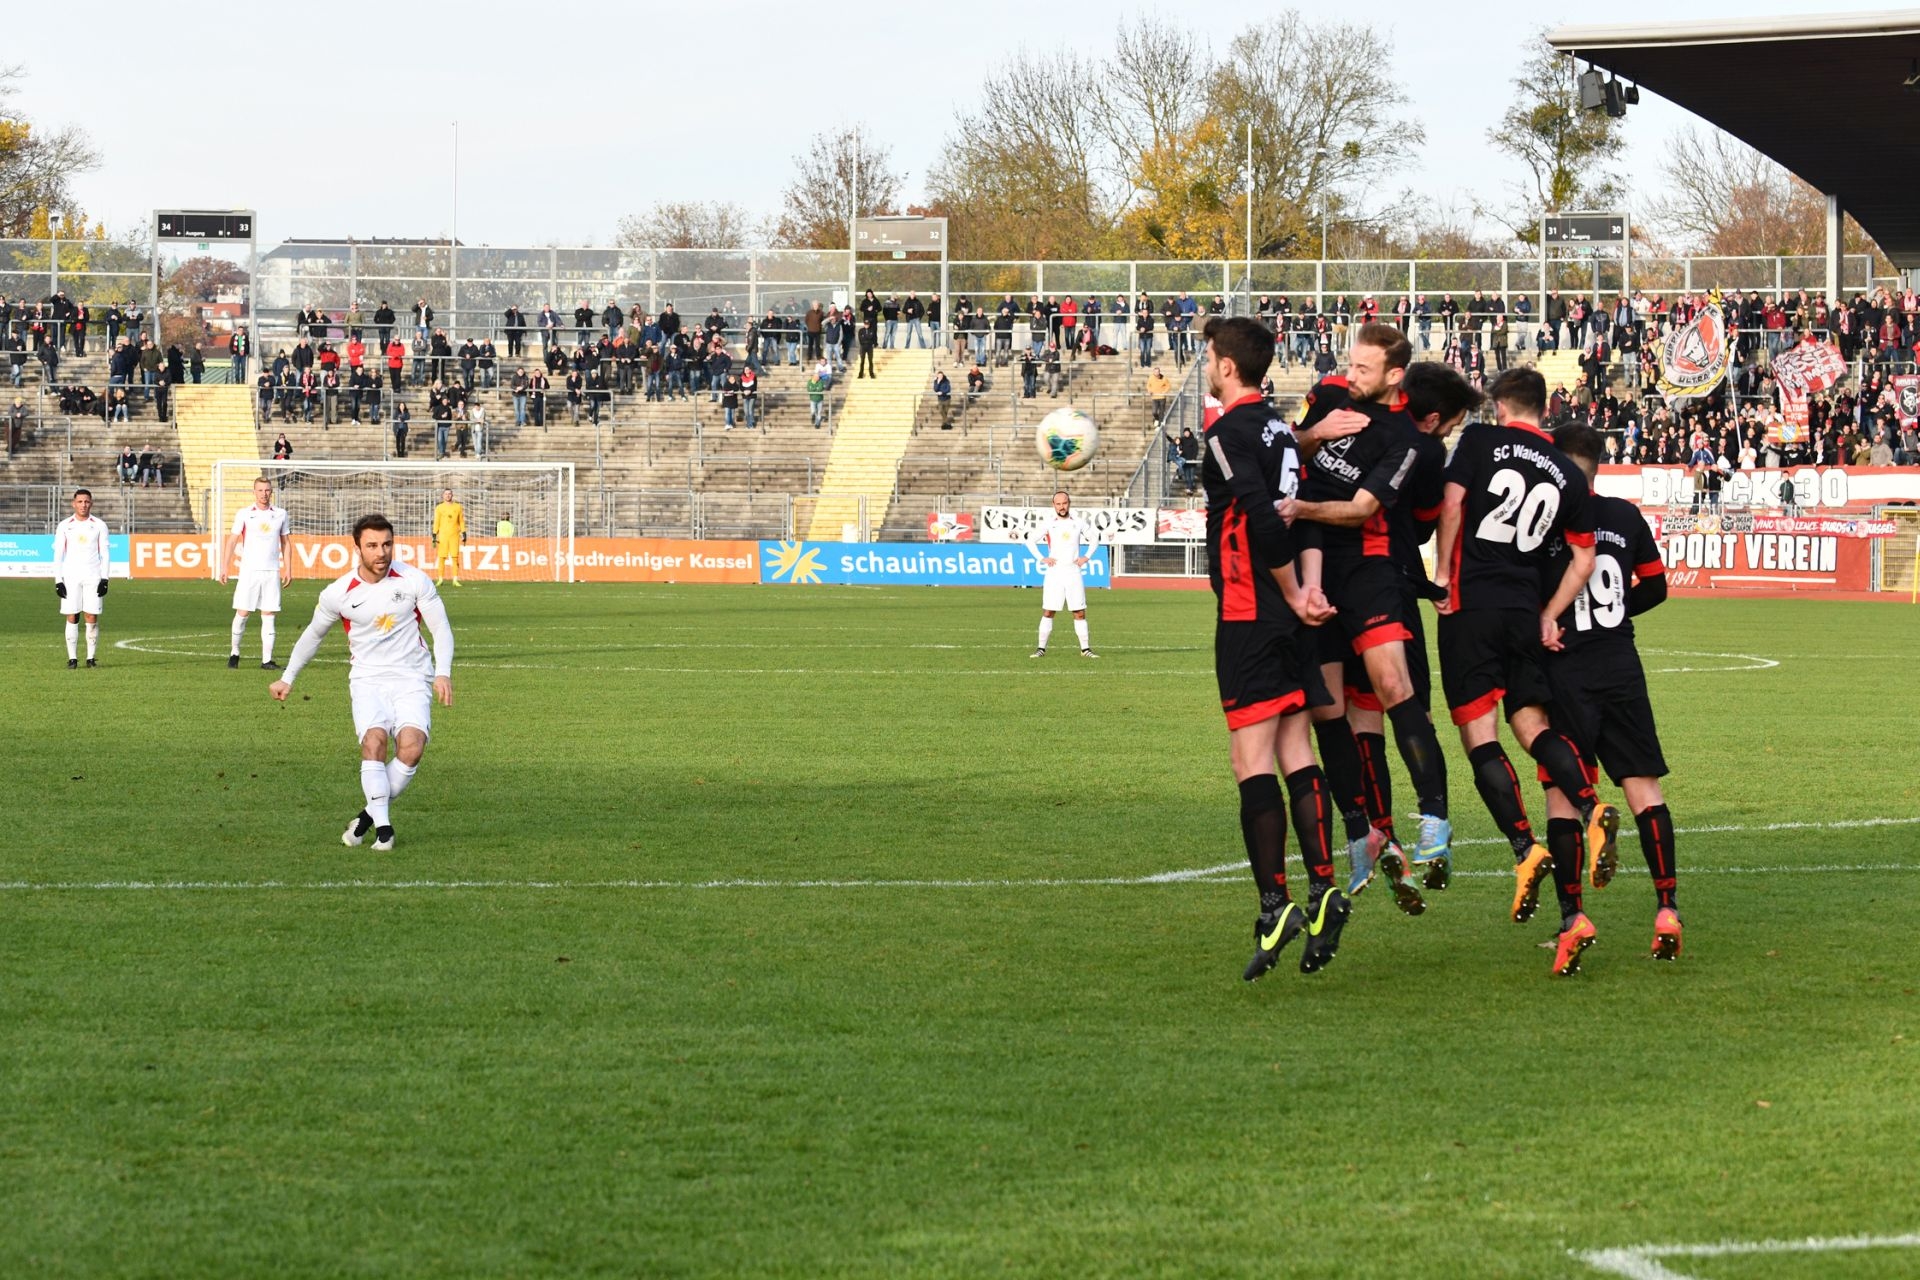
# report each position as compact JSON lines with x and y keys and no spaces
{"x":1603,"y":603}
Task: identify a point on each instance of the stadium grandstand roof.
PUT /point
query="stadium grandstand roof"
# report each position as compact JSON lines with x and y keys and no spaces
{"x":1763,"y":81}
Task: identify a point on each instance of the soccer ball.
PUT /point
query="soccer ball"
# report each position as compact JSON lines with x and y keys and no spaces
{"x":1067,"y":439}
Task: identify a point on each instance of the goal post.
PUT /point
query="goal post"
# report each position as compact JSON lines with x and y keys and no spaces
{"x":519,"y":515}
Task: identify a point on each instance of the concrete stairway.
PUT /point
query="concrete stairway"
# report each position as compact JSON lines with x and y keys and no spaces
{"x":875,"y":426}
{"x":1559,"y":368}
{"x":214,"y":422}
{"x":988,"y":455}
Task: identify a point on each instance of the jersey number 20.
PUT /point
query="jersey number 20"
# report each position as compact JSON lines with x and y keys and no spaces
{"x":1522,"y":517}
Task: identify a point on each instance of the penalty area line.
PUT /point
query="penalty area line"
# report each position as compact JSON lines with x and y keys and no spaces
{"x":1643,"y":1261}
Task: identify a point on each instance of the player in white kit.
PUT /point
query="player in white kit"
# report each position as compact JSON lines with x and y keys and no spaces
{"x":260,"y":534}
{"x":382,"y":605}
{"x":80,"y":564}
{"x":1057,"y":543}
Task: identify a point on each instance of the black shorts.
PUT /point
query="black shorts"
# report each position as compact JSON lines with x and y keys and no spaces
{"x":1419,"y":670}
{"x":1402,"y":620}
{"x":1371,"y":596}
{"x":1261,"y":670}
{"x":1600,"y":699}
{"x":1491,"y":655}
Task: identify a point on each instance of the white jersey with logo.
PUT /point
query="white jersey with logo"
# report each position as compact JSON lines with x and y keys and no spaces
{"x":1061,"y":537}
{"x":80,"y":554}
{"x":260,"y":530}
{"x":383,"y":622}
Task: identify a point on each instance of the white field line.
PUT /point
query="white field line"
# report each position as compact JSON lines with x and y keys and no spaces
{"x":1066,"y":664}
{"x":1628,"y":833}
{"x":1189,"y":875}
{"x":1642,"y":1262}
{"x":1753,"y":662}
{"x":142,"y":644}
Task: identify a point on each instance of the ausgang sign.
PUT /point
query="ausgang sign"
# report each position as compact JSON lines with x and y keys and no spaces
{"x":925,"y":234}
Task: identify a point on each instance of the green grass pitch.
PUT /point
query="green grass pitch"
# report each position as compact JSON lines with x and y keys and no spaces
{"x":546,"y":1037}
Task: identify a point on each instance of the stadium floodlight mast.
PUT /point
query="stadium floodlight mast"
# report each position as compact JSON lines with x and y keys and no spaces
{"x":53,"y":260}
{"x":853,"y":214}
{"x":1249,"y":217}
{"x":453,"y":237}
{"x":1323,"y":154}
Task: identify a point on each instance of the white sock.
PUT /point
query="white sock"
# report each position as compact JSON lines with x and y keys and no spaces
{"x":239,"y":630}
{"x":266,"y":637}
{"x":73,"y":641}
{"x":1046,"y":629}
{"x":1080,"y":629}
{"x":93,"y":640}
{"x":373,"y":785}
{"x":398,"y":776}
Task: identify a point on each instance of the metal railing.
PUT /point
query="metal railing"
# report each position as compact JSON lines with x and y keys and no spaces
{"x":1154,"y":477}
{"x":39,"y":507}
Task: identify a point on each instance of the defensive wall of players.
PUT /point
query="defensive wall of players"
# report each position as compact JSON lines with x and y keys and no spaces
{"x":1852,"y":529}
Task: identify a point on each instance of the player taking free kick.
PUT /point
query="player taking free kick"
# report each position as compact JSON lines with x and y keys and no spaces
{"x":381,"y":606}
{"x":1056,"y":543}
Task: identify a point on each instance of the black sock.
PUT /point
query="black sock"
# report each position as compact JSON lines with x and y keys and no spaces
{"x":1420,"y":748}
{"x":1340,"y":758}
{"x":1565,"y":841}
{"x":1555,"y":753}
{"x":1656,"y":842}
{"x":1499,"y":789}
{"x":1379,"y":783}
{"x":1263,"y":825}
{"x":1313,"y":822}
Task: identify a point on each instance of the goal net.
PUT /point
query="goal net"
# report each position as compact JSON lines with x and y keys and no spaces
{"x":519,"y":515}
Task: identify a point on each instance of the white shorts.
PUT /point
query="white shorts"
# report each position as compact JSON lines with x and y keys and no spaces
{"x":392,"y":705}
{"x":1064,"y":588}
{"x":257,"y":591}
{"x":80,"y":598}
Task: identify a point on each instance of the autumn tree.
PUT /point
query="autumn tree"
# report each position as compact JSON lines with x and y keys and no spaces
{"x":1185,"y":206}
{"x":1568,"y":151}
{"x":818,"y":202}
{"x":1142,"y":150}
{"x":1027,"y":167}
{"x":37,"y":166}
{"x":1724,"y":199}
{"x":689,"y":224}
{"x":203,"y":279}
{"x":1329,"y":121}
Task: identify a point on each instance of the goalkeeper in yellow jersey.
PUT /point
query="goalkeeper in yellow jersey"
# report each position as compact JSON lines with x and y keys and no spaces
{"x":449,"y":531}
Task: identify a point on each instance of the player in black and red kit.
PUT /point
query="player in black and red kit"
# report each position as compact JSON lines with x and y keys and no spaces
{"x":1250,"y":464}
{"x":1349,"y":492}
{"x":1509,"y":495}
{"x":1600,"y":689}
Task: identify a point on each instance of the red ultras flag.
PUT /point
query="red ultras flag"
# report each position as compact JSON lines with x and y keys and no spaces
{"x":1906,"y":399}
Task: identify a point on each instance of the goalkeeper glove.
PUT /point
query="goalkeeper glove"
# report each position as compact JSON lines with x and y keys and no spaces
{"x":60,"y":589}
{"x":103,"y":588}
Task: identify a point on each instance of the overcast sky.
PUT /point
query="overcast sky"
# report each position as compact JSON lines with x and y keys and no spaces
{"x":333,"y":120}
